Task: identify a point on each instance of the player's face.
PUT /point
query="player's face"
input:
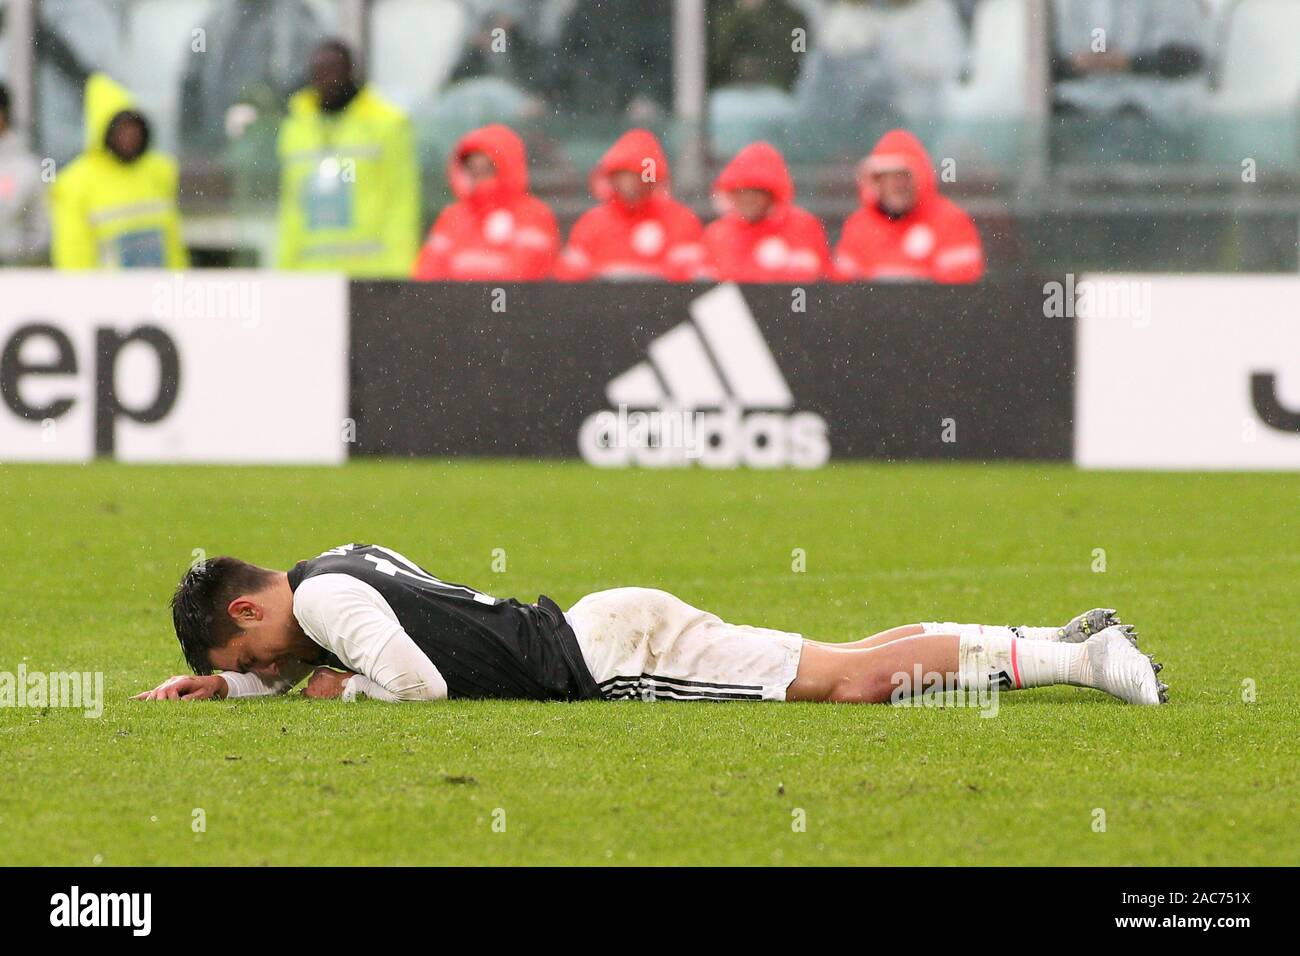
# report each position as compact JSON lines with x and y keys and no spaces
{"x":250,"y":655}
{"x":266,"y":642}
{"x":896,"y":190}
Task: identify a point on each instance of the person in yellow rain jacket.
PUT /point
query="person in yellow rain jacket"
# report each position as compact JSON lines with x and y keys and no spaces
{"x":114,"y":207}
{"x":349,"y":181}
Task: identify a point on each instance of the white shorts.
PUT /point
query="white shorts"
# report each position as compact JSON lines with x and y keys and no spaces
{"x":647,"y":644}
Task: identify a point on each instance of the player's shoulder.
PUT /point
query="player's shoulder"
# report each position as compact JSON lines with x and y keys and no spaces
{"x":325,"y":586}
{"x":323,"y":597}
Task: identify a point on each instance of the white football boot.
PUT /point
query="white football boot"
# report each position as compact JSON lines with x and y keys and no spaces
{"x":1094,"y":622}
{"x":1123,"y":671}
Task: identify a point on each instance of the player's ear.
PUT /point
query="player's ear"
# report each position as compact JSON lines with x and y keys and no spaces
{"x":244,"y":611}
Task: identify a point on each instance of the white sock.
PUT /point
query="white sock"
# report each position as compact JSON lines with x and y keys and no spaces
{"x":1024,"y":632}
{"x":1029,"y":633}
{"x":1009,"y":663}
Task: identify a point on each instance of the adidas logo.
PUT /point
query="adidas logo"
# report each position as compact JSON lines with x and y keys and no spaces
{"x":709,"y":392}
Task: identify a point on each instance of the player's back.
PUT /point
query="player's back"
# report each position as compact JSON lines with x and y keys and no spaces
{"x":483,"y":646}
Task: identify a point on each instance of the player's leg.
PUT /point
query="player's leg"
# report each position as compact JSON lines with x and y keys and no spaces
{"x":1106,"y":661}
{"x":875,"y":640}
{"x":869,"y":675}
{"x":647,"y":644}
{"x":1078,"y":629}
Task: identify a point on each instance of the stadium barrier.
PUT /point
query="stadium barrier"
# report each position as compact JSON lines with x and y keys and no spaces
{"x":173,"y":367}
{"x":1172,"y":372}
{"x":1194,"y":372}
{"x":664,"y":375}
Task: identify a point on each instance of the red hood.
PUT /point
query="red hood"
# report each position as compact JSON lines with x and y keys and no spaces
{"x":898,"y":148}
{"x":757,"y":166}
{"x":506,"y":149}
{"x":636,"y":151}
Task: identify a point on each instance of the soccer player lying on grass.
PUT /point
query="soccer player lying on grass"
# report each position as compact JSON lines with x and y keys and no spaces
{"x":366,"y":622}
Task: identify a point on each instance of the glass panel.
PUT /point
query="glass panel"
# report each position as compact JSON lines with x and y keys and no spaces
{"x":570,"y":75}
{"x":185,"y":62}
{"x":4,"y":44}
{"x":820,"y":79}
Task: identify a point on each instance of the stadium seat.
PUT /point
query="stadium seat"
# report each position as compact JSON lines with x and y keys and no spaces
{"x":414,"y":45}
{"x":159,"y":34}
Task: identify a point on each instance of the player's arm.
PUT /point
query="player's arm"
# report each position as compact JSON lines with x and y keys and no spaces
{"x":226,"y":684}
{"x":351,"y":619}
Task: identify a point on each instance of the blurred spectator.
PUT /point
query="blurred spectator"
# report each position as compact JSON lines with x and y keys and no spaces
{"x":638,"y":230}
{"x":966,"y":10}
{"x":752,"y":42}
{"x":1138,"y":56}
{"x":115,"y":205}
{"x":614,"y":57}
{"x":24,"y":225}
{"x":762,"y":236}
{"x":254,"y":53}
{"x":349,"y":181}
{"x":496,"y":230}
{"x":874,"y":57}
{"x":74,"y":38}
{"x":905,"y":229}
{"x":502,"y":43}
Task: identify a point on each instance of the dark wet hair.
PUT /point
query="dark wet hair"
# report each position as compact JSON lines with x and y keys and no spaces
{"x":200,"y":601}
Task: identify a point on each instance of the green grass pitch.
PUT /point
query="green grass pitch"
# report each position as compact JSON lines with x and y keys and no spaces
{"x":1207,"y":565}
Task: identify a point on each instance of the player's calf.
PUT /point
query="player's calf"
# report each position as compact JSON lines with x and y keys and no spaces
{"x":1107,"y":661}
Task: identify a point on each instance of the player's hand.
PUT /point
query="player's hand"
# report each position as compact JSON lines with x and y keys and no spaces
{"x":187,"y":687}
{"x":326,"y":683}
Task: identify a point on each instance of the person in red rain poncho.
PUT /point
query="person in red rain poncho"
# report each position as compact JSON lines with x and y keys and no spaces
{"x":762,"y":235}
{"x":905,"y":230}
{"x":638,"y":230}
{"x":496,"y":230}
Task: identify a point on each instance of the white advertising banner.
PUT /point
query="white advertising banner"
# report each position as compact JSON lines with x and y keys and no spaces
{"x":1188,"y":372}
{"x":229,"y":366}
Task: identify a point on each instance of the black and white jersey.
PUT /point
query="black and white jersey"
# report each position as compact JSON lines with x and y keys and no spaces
{"x":481,"y":646}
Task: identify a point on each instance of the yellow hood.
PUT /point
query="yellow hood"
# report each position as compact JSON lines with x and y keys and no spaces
{"x":104,"y":100}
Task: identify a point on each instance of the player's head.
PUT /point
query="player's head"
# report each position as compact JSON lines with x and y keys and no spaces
{"x":235,"y":616}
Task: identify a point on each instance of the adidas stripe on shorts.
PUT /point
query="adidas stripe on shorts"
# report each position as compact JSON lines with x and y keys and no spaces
{"x":640,"y":643}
